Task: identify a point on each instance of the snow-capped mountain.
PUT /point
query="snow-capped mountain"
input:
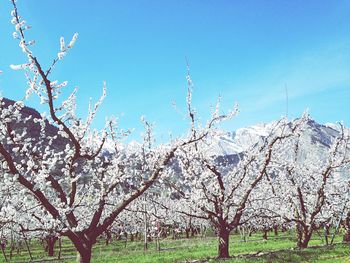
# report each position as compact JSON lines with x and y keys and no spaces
{"x":232,"y":143}
{"x":220,"y":143}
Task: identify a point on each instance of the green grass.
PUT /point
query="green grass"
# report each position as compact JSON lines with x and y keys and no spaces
{"x":279,"y":249}
{"x":337,"y":253}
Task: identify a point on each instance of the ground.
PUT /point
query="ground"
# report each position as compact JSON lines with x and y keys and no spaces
{"x":275,"y":249}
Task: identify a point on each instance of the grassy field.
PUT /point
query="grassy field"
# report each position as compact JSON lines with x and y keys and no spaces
{"x":275,"y":249}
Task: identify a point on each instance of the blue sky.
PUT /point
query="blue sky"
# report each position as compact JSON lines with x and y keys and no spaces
{"x":246,"y":51}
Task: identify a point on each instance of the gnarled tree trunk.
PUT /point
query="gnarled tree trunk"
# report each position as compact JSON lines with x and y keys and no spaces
{"x":304,"y":234}
{"x":84,"y":255}
{"x":275,"y":230}
{"x":265,"y":232}
{"x":50,"y":245}
{"x":223,"y":248}
{"x":83,"y":242}
{"x":346,"y":237}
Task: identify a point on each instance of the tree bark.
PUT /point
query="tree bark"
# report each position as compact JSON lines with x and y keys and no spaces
{"x":265,"y":234}
{"x":304,"y":234}
{"x":84,"y":256}
{"x":305,"y":241}
{"x":108,"y":237}
{"x":187,"y":231}
{"x":157,"y":243}
{"x":346,"y":237}
{"x":223,"y":248}
{"x":173,"y":234}
{"x":27,"y":245}
{"x":50,"y":242}
{"x":2,"y":244}
{"x":326,"y":233}
{"x":83,"y":242}
{"x":145,"y":233}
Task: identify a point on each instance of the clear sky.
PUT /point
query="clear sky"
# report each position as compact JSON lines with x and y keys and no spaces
{"x":246,"y":51}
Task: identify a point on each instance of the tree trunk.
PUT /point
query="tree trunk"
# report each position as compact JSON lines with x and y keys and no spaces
{"x":346,"y":237}
{"x":50,"y":241}
{"x":203,"y":231}
{"x":27,"y":245}
{"x":265,"y":234}
{"x":19,"y":246}
{"x":173,"y":234}
{"x":108,"y":237}
{"x":84,"y":256}
{"x":187,"y":231}
{"x":193,"y":231}
{"x":305,"y":241}
{"x":145,"y":230}
{"x":299,"y":234}
{"x":326,"y":233}
{"x":83,"y":242}
{"x":223,"y":248}
{"x":59,"y":248}
{"x":12,"y":245}
{"x":157,"y":243}
{"x":2,"y":244}
{"x":304,"y":234}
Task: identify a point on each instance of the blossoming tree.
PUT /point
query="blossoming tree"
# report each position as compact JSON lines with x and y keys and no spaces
{"x":307,"y":185}
{"x":222,"y":193}
{"x":60,"y":163}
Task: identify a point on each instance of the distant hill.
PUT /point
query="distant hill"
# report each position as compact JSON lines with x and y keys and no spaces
{"x":227,"y":147}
